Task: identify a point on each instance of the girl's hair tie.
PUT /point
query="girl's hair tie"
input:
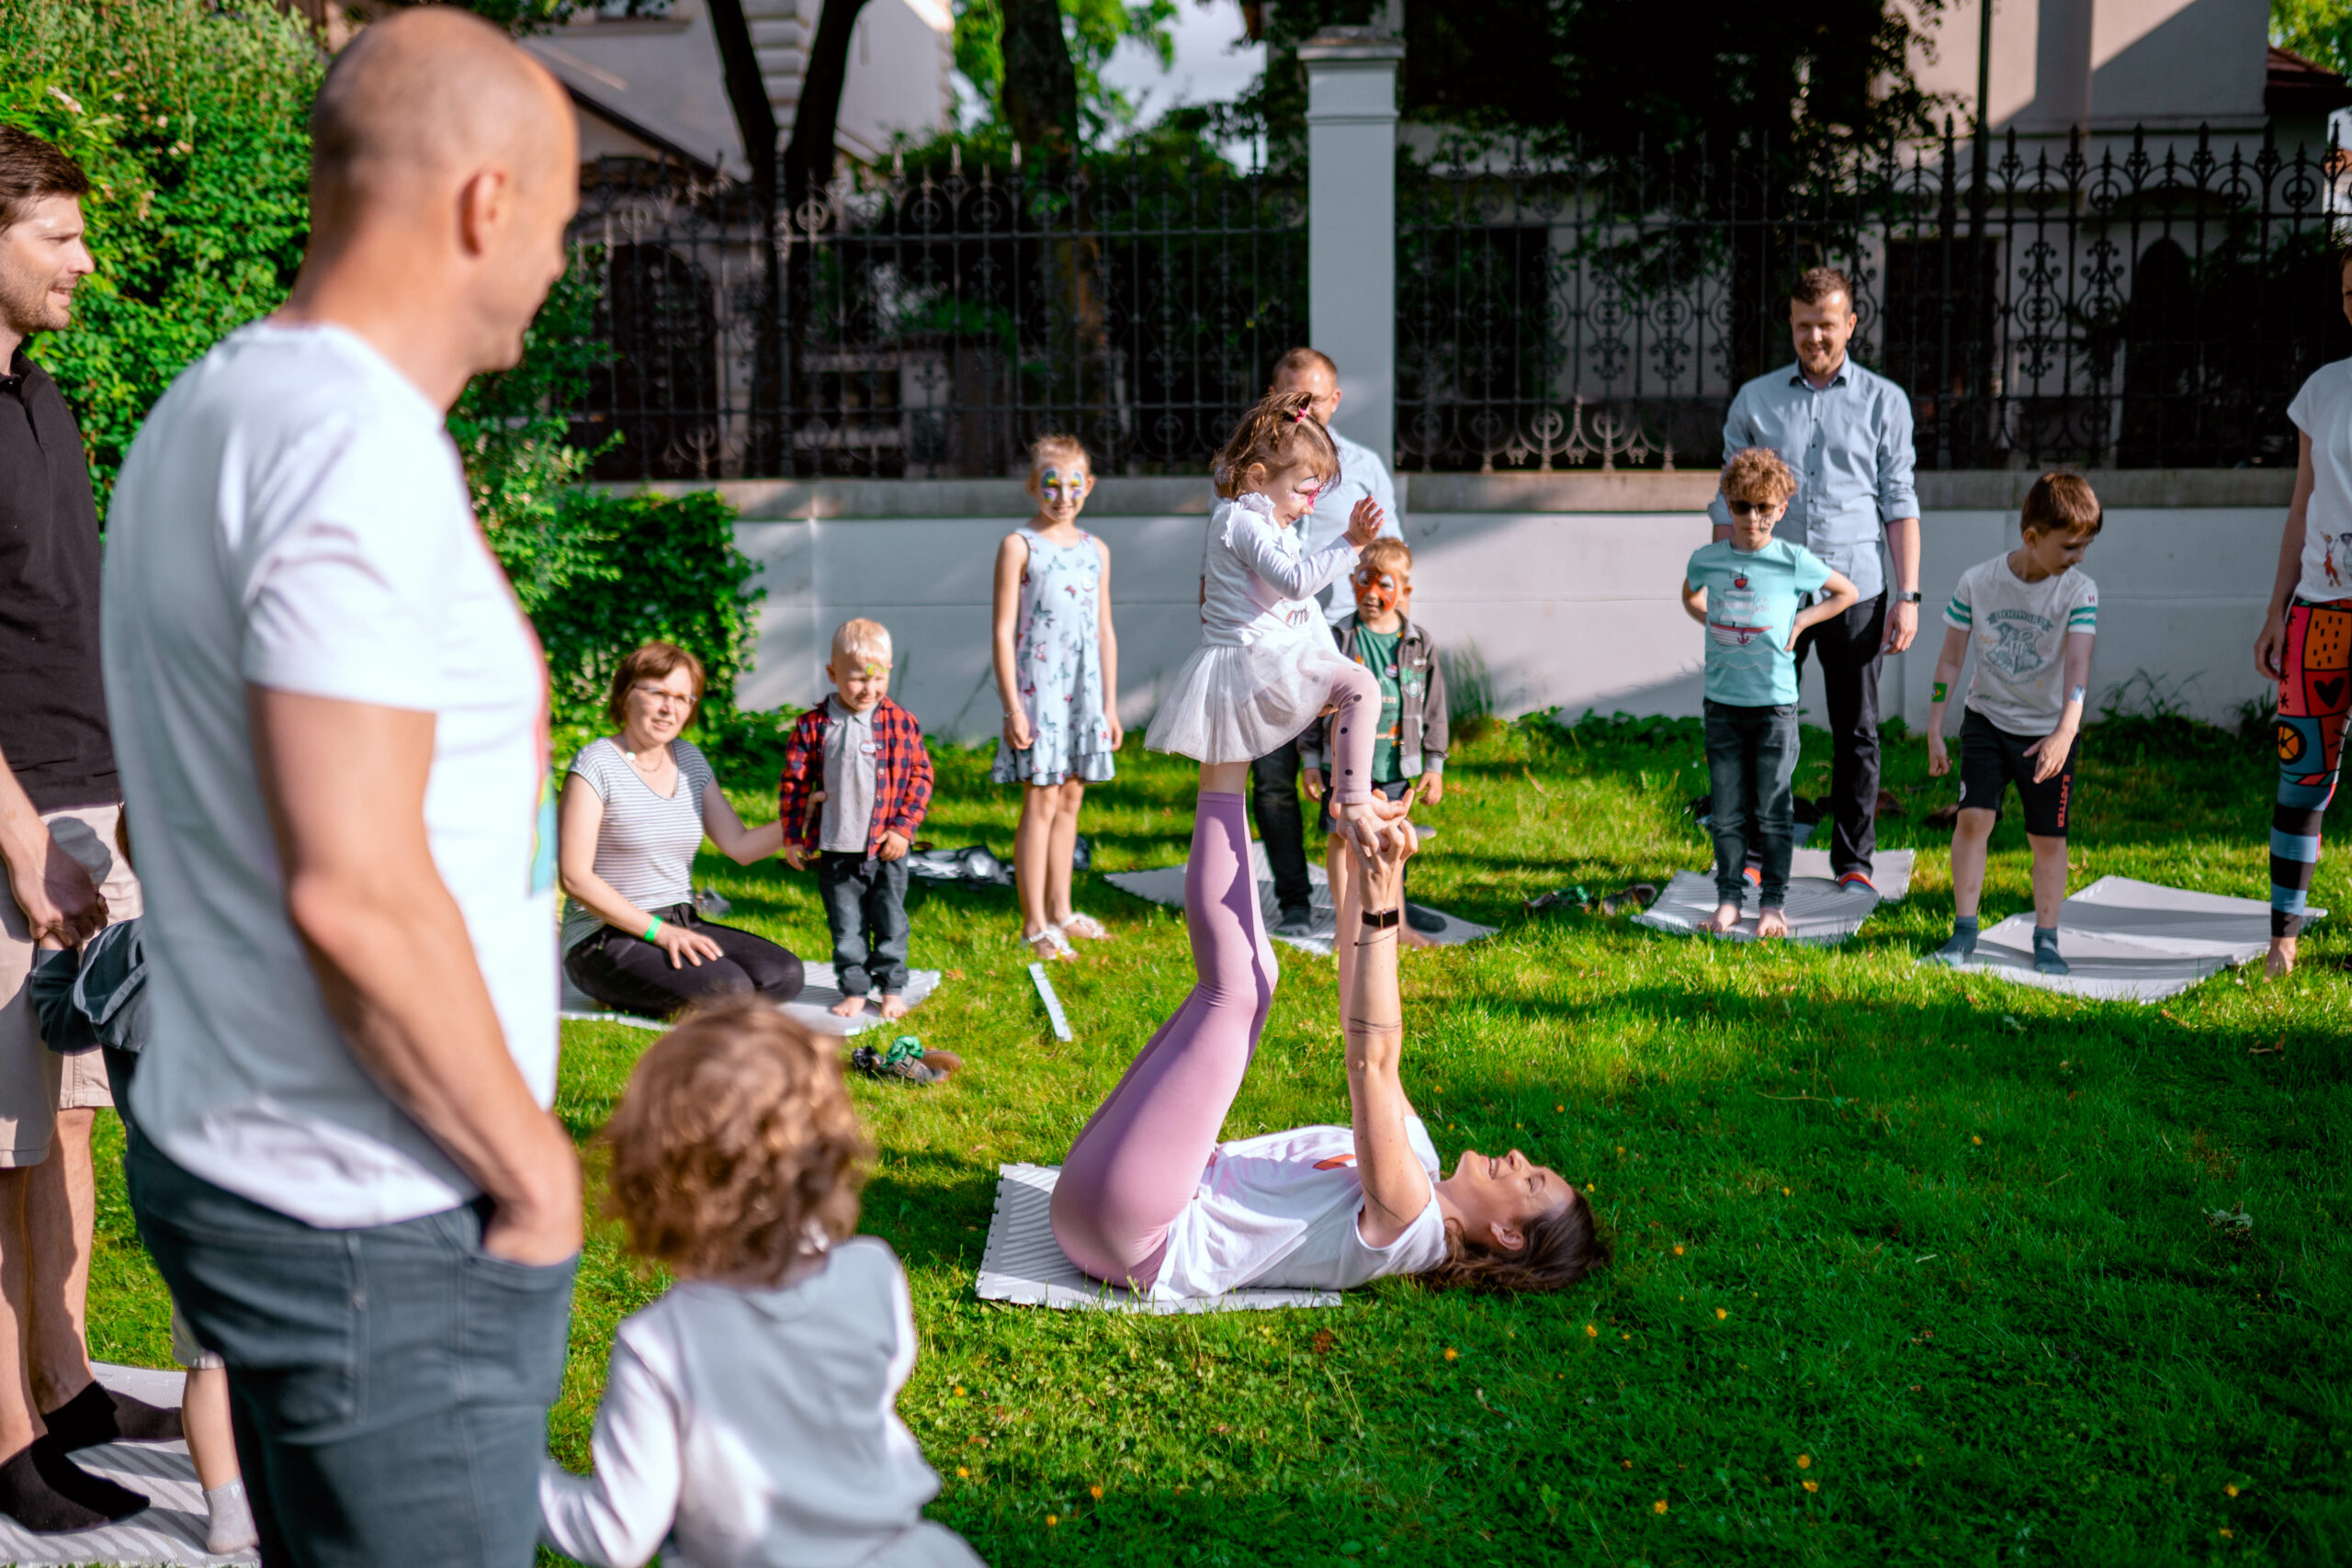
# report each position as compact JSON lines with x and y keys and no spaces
{"x":1298,"y":416}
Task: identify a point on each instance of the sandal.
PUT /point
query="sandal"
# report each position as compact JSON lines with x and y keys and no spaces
{"x":1050,"y":944}
{"x":902,"y":1060}
{"x":1629,"y":900}
{"x":1086,"y":927}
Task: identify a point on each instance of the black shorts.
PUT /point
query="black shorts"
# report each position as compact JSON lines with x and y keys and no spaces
{"x":1991,"y":759}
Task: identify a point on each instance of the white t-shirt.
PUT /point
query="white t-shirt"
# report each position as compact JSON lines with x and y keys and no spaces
{"x":2323,"y":410}
{"x":293,"y":515}
{"x":2018,"y":630}
{"x":1258,"y":578}
{"x":646,"y":843}
{"x":1279,"y":1211}
{"x":759,"y":1427}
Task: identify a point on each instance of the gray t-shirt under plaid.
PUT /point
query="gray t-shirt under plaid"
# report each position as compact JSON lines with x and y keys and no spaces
{"x":852,"y":761}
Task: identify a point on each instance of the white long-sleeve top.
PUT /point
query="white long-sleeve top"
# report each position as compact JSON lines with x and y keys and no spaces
{"x":1259,"y":580}
{"x":759,"y":1427}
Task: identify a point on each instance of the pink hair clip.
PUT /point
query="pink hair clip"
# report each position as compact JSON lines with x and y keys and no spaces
{"x":1298,"y":416}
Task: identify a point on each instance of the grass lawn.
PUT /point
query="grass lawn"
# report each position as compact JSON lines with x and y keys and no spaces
{"x":1911,"y":1269}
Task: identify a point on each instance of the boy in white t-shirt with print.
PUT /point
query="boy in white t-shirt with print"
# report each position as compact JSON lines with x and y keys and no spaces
{"x":2037,"y":616}
{"x":1750,"y":591}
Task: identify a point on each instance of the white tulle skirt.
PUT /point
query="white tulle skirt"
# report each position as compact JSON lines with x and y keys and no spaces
{"x":1235,"y":704}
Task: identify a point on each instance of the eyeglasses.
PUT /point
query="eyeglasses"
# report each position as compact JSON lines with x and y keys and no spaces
{"x":662,"y":697}
{"x":1747,"y":508}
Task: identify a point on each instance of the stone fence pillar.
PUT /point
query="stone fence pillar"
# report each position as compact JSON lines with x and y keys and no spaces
{"x":1351,"y":222}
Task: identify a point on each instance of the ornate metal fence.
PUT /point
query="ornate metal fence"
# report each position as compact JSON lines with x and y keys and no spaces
{"x":2150,"y":303}
{"x":931,"y":322}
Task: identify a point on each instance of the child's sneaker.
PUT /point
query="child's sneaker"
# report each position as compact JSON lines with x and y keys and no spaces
{"x":1860,"y":879}
{"x":902,"y":1060}
{"x":1960,"y":948}
{"x":2045,"y":952}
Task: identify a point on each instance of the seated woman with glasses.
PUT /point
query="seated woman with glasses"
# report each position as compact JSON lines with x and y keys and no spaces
{"x":636,"y":807}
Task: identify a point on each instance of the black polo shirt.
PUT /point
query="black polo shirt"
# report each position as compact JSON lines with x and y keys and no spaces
{"x":53,"y":700}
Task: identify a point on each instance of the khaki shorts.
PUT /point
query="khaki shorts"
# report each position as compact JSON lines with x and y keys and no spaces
{"x":36,"y":1083}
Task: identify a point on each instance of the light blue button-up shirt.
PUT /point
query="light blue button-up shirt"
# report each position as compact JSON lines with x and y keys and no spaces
{"x":1362,"y":475}
{"x":1849,"y":446}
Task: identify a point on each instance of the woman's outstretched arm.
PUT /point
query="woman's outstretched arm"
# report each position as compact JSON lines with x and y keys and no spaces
{"x":741,"y":844}
{"x":1372,"y":1018}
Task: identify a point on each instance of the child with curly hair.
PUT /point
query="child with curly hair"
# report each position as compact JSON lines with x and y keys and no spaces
{"x":749,"y":1415}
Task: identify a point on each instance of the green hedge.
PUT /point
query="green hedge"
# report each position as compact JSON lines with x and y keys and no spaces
{"x":190,"y":116}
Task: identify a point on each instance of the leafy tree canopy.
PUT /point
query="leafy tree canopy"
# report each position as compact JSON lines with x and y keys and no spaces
{"x":1093,"y":30}
{"x":2319,"y":30}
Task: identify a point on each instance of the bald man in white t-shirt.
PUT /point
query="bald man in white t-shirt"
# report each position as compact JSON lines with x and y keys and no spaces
{"x":331,"y":718}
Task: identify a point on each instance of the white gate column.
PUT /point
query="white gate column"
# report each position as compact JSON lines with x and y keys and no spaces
{"x":1351,"y":222}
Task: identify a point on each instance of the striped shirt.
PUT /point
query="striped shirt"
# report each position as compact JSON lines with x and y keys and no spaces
{"x":646,"y":844}
{"x":2020,"y":631}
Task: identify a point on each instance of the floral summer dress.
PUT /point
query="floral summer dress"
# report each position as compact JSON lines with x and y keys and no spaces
{"x":1057,"y":667}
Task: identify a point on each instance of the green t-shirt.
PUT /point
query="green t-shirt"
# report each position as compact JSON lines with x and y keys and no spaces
{"x":1376,"y":651}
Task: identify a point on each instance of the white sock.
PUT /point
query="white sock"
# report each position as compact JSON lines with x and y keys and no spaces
{"x":233,"y":1519}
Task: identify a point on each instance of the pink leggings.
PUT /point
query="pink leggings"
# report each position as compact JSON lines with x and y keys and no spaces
{"x":1139,"y":1158}
{"x":1355,"y":729}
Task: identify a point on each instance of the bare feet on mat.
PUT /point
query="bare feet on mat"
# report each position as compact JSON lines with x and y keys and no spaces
{"x":893,"y":1006}
{"x":1726,"y":916}
{"x":1772,"y":923}
{"x":849,"y":1007}
{"x":2281,"y":961}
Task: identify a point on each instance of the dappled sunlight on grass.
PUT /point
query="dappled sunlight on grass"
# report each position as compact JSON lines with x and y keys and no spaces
{"x":1912,"y":1268}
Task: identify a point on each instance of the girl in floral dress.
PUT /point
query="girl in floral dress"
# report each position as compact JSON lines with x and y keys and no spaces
{"x":1058,"y":673}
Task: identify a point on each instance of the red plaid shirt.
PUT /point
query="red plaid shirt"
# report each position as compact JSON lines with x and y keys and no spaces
{"x":901,"y":776}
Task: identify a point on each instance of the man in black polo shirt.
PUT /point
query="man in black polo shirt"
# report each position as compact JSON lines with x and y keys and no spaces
{"x":59,"y":805}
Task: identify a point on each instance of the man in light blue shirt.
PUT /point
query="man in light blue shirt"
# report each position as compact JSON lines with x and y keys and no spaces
{"x":1847,"y":435}
{"x":1273,"y":778}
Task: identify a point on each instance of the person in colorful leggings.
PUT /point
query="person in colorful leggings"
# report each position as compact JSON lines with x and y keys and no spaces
{"x":2306,"y":642}
{"x":1148,"y":1197}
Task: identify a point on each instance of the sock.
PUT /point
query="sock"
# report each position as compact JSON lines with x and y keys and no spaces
{"x":1963,"y":940}
{"x":2045,"y":951}
{"x":232,"y":1527}
{"x":98,"y":1414}
{"x":35,"y":1505}
{"x":93,"y":1492}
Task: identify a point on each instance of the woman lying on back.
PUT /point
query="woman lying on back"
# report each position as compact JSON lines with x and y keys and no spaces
{"x":1149,"y":1199}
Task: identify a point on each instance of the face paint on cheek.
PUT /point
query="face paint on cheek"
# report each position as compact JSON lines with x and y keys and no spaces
{"x":1376,"y":595}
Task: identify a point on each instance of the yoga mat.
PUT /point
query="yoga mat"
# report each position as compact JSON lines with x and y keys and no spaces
{"x":2124,"y":939}
{"x":1165,"y":884}
{"x":172,"y":1532}
{"x":1024,"y":1265}
{"x":1818,"y":910}
{"x":818,"y":994}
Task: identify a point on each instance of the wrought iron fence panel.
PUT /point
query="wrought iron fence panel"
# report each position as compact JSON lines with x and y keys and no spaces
{"x":2151,"y":301}
{"x":932,"y":322}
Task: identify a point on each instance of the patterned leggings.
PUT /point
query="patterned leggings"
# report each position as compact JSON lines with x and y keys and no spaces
{"x":2314,"y":700}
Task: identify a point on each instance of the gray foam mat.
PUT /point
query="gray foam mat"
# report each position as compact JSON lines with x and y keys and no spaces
{"x":1165,"y":884}
{"x":810,"y":1007}
{"x":1024,"y":1265}
{"x":1818,"y":910}
{"x":2124,"y":939}
{"x":171,"y":1531}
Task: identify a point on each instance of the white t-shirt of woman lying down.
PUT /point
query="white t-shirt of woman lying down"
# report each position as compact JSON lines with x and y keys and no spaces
{"x":744,"y":1428}
{"x":1280,"y":1212}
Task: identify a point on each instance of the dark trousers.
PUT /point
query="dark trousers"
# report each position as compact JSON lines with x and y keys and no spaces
{"x":1751,"y":758}
{"x":1850,"y":651}
{"x":866,"y":903}
{"x":389,"y":1385}
{"x":622,"y":970}
{"x":1282,"y":823}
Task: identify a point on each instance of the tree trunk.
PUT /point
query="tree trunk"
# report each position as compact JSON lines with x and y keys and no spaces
{"x":1040,"y":82}
{"x":808,"y":160}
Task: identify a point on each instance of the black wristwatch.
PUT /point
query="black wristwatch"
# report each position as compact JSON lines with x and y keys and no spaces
{"x":1912,"y":598}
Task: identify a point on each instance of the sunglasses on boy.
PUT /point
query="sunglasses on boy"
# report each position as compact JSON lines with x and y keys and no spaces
{"x":1747,"y":508}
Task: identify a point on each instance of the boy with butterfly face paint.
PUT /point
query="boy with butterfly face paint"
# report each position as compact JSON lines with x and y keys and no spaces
{"x":1408,"y":755}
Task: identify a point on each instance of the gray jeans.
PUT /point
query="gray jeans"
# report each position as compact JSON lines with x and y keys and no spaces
{"x":865,"y":903}
{"x":389,"y":1385}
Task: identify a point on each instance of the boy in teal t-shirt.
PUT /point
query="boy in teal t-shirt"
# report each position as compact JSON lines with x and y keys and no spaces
{"x":1750,"y":591}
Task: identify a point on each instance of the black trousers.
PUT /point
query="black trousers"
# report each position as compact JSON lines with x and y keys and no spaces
{"x":1850,"y":651}
{"x":1282,"y":823}
{"x":865,"y":903}
{"x":622,"y":970}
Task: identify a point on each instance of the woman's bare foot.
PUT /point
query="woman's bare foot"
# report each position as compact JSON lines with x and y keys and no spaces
{"x":893,"y":1006}
{"x":1407,"y":937}
{"x":1727,"y":916}
{"x":2281,"y":961}
{"x":1769,"y":923}
{"x":849,"y":1007}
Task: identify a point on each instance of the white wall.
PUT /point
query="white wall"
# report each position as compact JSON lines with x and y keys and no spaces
{"x":2162,"y":63}
{"x":1573,"y":608}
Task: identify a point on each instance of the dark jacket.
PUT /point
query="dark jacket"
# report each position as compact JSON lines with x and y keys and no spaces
{"x":1421,"y":716}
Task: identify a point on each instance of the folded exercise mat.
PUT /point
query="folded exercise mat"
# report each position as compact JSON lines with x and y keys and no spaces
{"x":1022,"y":1264}
{"x":1818,"y":910}
{"x":1165,"y":884}
{"x":171,"y":1531}
{"x":2124,"y":939}
{"x":819,"y":993}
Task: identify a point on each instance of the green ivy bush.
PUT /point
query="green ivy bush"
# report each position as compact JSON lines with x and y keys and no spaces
{"x":189,"y":117}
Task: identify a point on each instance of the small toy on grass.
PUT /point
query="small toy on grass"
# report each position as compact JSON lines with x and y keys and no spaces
{"x":905,"y":1059}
